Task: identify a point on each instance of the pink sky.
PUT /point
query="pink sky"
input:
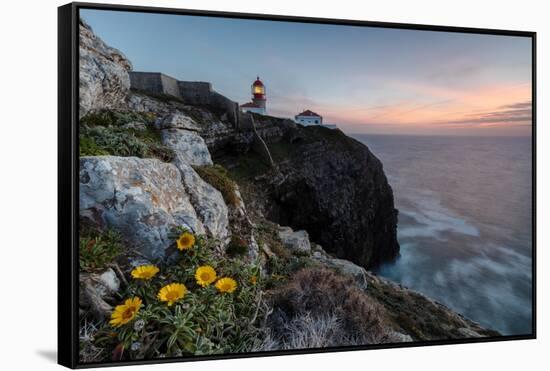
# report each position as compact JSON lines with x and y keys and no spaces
{"x":364,"y":79}
{"x":497,"y":109}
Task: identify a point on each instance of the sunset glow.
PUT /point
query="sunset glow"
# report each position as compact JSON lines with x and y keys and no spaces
{"x":365,"y":80}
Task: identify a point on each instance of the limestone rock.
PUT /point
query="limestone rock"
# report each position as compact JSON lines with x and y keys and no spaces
{"x":104,"y":73}
{"x":359,"y":274}
{"x":142,"y":103}
{"x":207,"y":201}
{"x":135,"y":125}
{"x":296,"y":241}
{"x":398,"y":337}
{"x":346,"y":267}
{"x":144,"y":199}
{"x":109,"y":280}
{"x":469,"y":333}
{"x":242,"y":226}
{"x":177,"y":120}
{"x":188,"y":146}
{"x":96,"y":289}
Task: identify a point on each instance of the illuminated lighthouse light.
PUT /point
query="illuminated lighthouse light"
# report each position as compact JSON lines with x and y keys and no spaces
{"x":258,"y":104}
{"x":258,"y":90}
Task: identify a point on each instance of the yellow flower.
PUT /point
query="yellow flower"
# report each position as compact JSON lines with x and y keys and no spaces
{"x":226,"y":284}
{"x":144,"y":272}
{"x":205,"y":275}
{"x":186,"y":241}
{"x":253,"y":280}
{"x":172,"y":293}
{"x":126,"y":312}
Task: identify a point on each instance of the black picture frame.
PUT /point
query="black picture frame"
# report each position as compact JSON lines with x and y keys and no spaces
{"x":68,"y":82}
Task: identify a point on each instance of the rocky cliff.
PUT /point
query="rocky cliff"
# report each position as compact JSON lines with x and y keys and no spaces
{"x":324,"y":182}
{"x":104,"y":79}
{"x":295,"y":214}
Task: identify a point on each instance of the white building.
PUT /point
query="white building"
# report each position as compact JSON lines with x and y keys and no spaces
{"x":308,"y":118}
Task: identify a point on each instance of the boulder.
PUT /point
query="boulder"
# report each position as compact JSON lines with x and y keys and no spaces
{"x":177,"y":120}
{"x":188,"y":146}
{"x":96,"y":289}
{"x":142,"y":103}
{"x":109,"y":280}
{"x":296,"y":241}
{"x":207,"y":201}
{"x":144,"y":199}
{"x":104,"y":73}
{"x":469,"y":333}
{"x":346,"y":267}
{"x":359,"y":274}
{"x":398,"y":337}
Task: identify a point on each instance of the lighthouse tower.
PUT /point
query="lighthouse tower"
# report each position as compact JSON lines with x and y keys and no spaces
{"x":258,"y":98}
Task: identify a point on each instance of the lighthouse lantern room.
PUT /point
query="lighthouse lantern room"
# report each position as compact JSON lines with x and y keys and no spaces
{"x":258,"y":98}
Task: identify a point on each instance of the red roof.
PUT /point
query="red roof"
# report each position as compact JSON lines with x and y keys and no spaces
{"x":249,"y":105}
{"x":308,"y":113}
{"x":258,"y":82}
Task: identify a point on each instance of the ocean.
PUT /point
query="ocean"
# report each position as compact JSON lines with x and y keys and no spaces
{"x":465,"y":221}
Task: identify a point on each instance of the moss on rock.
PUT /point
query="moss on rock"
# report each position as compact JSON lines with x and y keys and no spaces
{"x":219,"y":178}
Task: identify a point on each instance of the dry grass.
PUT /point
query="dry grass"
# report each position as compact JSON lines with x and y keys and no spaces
{"x":319,"y":308}
{"x":88,"y":351}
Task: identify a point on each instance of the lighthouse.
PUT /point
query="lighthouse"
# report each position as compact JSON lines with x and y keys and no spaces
{"x":258,"y":98}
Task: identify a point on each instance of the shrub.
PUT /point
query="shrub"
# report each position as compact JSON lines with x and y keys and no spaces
{"x":88,"y":147}
{"x":99,"y":140}
{"x":268,"y":233}
{"x":88,"y":351}
{"x":98,"y":248}
{"x":116,"y":118}
{"x":102,"y":133}
{"x":237,"y":246}
{"x":201,"y":319}
{"x":218,"y":177}
{"x":165,"y":98}
{"x":307,"y":331}
{"x":318,"y":293}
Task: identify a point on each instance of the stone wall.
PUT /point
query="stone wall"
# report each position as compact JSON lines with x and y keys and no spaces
{"x":169,"y":84}
{"x":192,"y":92}
{"x":195,"y":92}
{"x":154,"y":82}
{"x":227,"y":106}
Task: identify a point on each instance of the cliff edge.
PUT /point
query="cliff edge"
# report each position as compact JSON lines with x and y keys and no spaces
{"x":286,"y":215}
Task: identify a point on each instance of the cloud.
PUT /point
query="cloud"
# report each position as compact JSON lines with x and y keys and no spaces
{"x":521,"y":105}
{"x":520,"y":112}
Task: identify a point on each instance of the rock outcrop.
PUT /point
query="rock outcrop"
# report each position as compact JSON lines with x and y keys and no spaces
{"x":296,"y":241}
{"x":177,"y":120}
{"x":188,"y":146}
{"x":335,"y":188}
{"x":419,"y":316}
{"x":96,"y":289}
{"x":104,"y":73}
{"x":207,"y":201}
{"x":345,"y":267}
{"x":145,"y":199}
{"x":326,"y":183}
